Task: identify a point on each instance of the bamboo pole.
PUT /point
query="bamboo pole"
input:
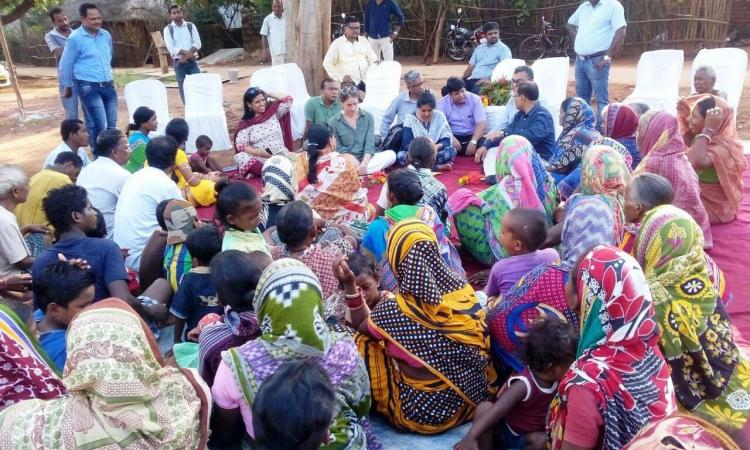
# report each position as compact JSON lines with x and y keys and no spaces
{"x":438,"y":29}
{"x":11,"y":71}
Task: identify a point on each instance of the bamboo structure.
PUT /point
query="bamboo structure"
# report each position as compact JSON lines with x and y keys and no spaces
{"x":12,"y":71}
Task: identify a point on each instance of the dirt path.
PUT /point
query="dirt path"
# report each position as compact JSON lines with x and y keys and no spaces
{"x":28,"y":143}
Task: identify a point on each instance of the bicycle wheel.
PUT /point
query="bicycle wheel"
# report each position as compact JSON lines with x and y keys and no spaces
{"x":532,"y":48}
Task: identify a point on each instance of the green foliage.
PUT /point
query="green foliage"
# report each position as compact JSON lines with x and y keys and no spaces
{"x":497,"y":92}
{"x":526,"y":6}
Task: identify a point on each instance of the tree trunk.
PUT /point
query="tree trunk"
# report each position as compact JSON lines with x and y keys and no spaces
{"x":17,"y":12}
{"x":438,"y":37}
{"x":308,"y":35}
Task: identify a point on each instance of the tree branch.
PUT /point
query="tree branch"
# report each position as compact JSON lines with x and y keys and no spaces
{"x":17,"y":12}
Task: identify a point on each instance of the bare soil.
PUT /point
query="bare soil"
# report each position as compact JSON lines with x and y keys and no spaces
{"x":27,"y":143}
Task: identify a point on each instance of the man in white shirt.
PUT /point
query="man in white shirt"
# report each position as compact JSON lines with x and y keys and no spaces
{"x":598,"y":29}
{"x":183,"y":43}
{"x":135,"y":215}
{"x":104,"y":178}
{"x":56,"y":40}
{"x":273,"y":35}
{"x":349,"y":56}
{"x":75,"y":137}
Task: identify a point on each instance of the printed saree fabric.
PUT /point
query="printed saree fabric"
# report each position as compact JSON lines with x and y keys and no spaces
{"x":435,"y":319}
{"x":289,"y":305}
{"x":619,"y":359}
{"x":620,"y":122}
{"x":522,"y":183}
{"x":120,"y":394}
{"x":579,"y":131}
{"x":682,"y":431}
{"x":710,"y":374}
{"x":25,"y":369}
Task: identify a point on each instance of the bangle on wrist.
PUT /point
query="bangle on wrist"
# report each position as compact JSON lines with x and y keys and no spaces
{"x":703,"y":135}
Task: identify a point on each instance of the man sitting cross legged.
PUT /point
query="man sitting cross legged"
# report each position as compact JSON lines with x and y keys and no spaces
{"x":465,"y":115}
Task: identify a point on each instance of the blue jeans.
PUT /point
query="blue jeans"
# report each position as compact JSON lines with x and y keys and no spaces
{"x":69,"y":104}
{"x":181,"y":70}
{"x":590,"y":80}
{"x":99,"y":104}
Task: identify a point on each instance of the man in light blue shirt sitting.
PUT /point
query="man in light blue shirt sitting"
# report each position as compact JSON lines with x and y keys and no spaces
{"x":405,"y":103}
{"x":86,"y":63}
{"x":485,"y":58}
{"x":598,"y":30}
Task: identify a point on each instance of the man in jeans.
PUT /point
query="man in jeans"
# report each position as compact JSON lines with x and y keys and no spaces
{"x":86,"y":64}
{"x":598,"y":29}
{"x":56,"y":40}
{"x":378,"y":26}
{"x":183,"y":43}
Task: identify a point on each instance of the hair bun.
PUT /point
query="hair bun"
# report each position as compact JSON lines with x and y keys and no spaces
{"x":221,"y":184}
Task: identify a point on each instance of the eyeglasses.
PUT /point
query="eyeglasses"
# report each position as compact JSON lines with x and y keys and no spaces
{"x":421,"y":83}
{"x":352,"y":89}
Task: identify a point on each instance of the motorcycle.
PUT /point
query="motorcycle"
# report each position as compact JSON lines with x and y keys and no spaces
{"x":461,"y":41}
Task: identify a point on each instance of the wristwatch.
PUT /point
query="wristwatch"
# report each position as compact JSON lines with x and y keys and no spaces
{"x":607,"y":58}
{"x":473,"y":142}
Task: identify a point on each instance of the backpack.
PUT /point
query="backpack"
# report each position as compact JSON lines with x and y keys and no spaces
{"x":190,"y":30}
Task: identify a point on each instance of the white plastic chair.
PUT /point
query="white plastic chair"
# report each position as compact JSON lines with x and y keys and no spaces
{"x":551,"y":76}
{"x":730,"y":65}
{"x":658,"y":80}
{"x":504,"y":69}
{"x":289,"y":79}
{"x":382,"y":83}
{"x":152,"y":94}
{"x":204,"y":110}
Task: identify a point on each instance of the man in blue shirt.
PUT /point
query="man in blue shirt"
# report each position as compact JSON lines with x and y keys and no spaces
{"x":86,"y":63}
{"x":598,"y":31}
{"x":485,"y":58}
{"x":532,"y":121}
{"x":378,"y":26}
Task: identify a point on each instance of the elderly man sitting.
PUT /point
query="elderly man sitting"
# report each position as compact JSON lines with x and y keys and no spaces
{"x":401,"y":106}
{"x":704,"y":81}
{"x":485,"y":58}
{"x":465,"y":114}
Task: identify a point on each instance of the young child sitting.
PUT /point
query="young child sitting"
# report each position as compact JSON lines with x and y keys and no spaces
{"x":297,"y":231}
{"x":234,"y":276}
{"x":523,"y":231}
{"x":181,"y":219}
{"x":196,"y":296}
{"x":61,"y":290}
{"x":201,"y":161}
{"x":301,"y":383}
{"x":517,"y":419}
{"x":238,"y":208}
{"x":152,"y":257}
{"x":367,"y":278}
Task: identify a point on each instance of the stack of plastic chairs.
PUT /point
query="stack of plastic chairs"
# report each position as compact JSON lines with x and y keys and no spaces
{"x":204,"y":110}
{"x":151,"y":94}
{"x":287,"y":79}
{"x":551,"y":76}
{"x":382,"y":83}
{"x":658,"y":80}
{"x":730,"y":65}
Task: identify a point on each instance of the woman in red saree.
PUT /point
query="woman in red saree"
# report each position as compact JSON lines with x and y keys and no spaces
{"x":715,"y":151}
{"x":265,"y":130}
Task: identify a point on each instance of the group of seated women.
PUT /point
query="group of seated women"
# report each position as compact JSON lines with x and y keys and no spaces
{"x":602,"y":323}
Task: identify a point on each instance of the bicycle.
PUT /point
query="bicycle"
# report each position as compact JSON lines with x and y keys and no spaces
{"x":550,"y":41}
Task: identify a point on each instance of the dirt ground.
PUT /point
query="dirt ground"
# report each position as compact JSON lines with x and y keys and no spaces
{"x":27,"y":143}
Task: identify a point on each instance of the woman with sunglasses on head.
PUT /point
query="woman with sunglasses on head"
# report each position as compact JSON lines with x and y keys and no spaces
{"x":264,"y":130}
{"x":354,"y":130}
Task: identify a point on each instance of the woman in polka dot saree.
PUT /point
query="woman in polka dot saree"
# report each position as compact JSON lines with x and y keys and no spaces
{"x":426,"y":350}
{"x":710,"y":375}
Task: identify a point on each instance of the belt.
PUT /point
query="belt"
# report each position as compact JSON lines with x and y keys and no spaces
{"x":593,"y":55}
{"x":96,"y":83}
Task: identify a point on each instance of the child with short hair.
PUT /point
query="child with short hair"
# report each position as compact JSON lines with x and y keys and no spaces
{"x":297,"y":230}
{"x":181,"y":218}
{"x":306,"y":385}
{"x":196,"y":296}
{"x":367,"y":278}
{"x":61,"y":291}
{"x":522,"y":232}
{"x":234,"y":276}
{"x":201,"y":161}
{"x":517,"y":419}
{"x":238,"y":208}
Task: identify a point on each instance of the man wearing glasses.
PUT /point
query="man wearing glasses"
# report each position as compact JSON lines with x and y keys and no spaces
{"x":349,"y":56}
{"x":405,"y":103}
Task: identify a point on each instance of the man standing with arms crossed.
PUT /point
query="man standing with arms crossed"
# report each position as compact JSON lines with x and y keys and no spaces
{"x":273,"y":35}
{"x":183,"y":43}
{"x":598,"y":29}
{"x":378,"y":27}
{"x":56,"y":40}
{"x":86,"y":63}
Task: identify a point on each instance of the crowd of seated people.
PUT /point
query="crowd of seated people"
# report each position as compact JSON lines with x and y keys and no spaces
{"x":303,"y":293}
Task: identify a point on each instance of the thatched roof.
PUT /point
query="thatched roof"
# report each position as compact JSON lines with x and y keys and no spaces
{"x":122,"y":10}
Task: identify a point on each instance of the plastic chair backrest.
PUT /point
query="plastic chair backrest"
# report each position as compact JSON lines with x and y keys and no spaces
{"x":551,"y":76}
{"x":152,"y":94}
{"x":658,"y":74}
{"x":204,"y":94}
{"x":730,"y":65}
{"x":382,"y":83}
{"x":504,"y":69}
